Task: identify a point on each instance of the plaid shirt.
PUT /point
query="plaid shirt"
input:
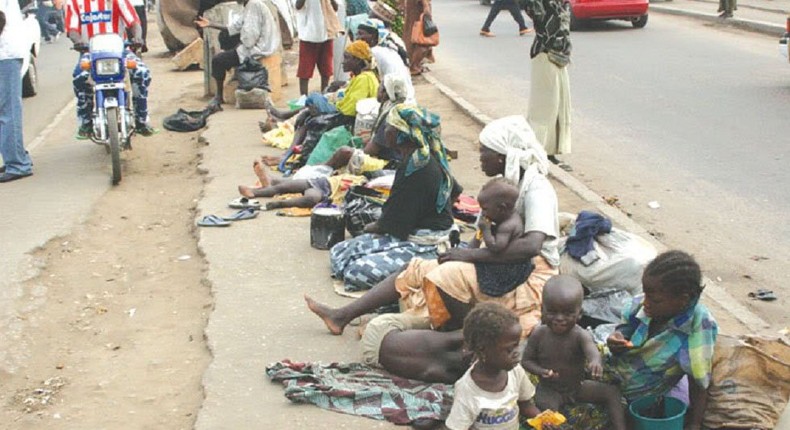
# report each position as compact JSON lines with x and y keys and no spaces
{"x":656,"y":364}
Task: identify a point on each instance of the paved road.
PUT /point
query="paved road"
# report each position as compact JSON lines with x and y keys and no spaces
{"x":682,"y":113}
{"x":55,"y":65}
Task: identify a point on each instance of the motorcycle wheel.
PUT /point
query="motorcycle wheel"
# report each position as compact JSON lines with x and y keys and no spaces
{"x":115,"y":144}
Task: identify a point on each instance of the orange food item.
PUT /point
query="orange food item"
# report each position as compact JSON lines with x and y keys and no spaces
{"x":546,"y":417}
{"x":629,"y":344}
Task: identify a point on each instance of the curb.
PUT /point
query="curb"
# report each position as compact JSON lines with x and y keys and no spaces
{"x":767,"y":28}
{"x":712,"y":290}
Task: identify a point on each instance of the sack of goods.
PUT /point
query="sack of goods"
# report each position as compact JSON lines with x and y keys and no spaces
{"x":367,"y":111}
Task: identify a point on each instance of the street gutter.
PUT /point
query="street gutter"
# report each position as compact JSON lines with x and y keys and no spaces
{"x":712,"y":290}
{"x":767,"y":28}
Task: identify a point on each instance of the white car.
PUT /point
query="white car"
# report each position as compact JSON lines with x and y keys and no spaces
{"x":32,"y":35}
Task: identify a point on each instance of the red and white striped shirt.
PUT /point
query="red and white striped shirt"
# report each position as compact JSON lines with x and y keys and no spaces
{"x":92,"y":17}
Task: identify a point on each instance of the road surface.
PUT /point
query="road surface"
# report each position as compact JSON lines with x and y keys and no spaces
{"x":681,"y":113}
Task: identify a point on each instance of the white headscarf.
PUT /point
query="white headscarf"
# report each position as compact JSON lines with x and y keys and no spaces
{"x":512,"y":137}
{"x":399,"y":88}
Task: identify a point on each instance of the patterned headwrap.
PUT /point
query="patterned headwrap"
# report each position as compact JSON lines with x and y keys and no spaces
{"x":374,"y":25}
{"x":320,"y":102}
{"x":421,"y":127}
{"x":360,"y":49}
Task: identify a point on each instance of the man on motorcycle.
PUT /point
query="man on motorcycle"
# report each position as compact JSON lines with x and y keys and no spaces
{"x":86,"y":18}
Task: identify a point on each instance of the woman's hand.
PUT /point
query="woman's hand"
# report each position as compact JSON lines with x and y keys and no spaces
{"x":455,"y":254}
{"x":618,"y":343}
{"x":202,"y":22}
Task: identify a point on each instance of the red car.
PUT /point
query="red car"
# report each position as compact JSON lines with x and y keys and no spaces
{"x":627,"y":10}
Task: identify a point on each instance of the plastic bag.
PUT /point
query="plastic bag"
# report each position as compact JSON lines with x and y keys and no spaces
{"x":750,"y":386}
{"x":623,"y":257}
{"x":429,"y":27}
{"x":186,"y":121}
{"x":367,"y":112}
{"x":252,"y":99}
{"x":363,"y":206}
{"x":252,"y":74}
{"x":419,"y":37}
{"x":329,"y":143}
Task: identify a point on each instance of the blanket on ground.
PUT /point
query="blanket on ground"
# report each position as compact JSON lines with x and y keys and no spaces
{"x":357,"y":389}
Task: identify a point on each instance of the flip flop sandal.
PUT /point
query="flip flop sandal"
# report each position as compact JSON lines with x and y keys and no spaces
{"x":244,"y":203}
{"x":212,"y":221}
{"x":763,"y":294}
{"x":248,"y":213}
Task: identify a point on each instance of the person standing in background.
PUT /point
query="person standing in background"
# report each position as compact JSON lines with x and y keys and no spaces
{"x":17,"y":164}
{"x":142,"y":12}
{"x":46,"y":21}
{"x":497,"y":7}
{"x":315,"y":42}
{"x":550,"y":92}
{"x":417,"y":53}
{"x":726,"y":7}
{"x":340,"y":45}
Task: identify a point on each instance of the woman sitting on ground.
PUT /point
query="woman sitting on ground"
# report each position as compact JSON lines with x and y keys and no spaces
{"x":363,"y":85}
{"x":447,"y":288}
{"x":376,"y":155}
{"x":416,"y":216}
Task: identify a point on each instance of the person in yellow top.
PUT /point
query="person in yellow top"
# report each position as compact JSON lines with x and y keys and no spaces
{"x":363,"y":84}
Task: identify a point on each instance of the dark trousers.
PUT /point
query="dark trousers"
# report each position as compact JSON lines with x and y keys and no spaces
{"x":142,"y":13}
{"x":497,"y":7}
{"x":223,"y":62}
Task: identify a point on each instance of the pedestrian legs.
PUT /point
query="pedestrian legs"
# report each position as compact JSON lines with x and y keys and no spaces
{"x":497,"y":7}
{"x":15,"y":158}
{"x":140,"y":78}
{"x":83,"y":90}
{"x":220,"y":65}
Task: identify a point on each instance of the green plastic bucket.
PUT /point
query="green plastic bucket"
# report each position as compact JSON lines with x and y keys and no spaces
{"x":673,"y":414}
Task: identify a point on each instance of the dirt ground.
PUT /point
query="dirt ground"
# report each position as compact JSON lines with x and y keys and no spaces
{"x":110,"y":334}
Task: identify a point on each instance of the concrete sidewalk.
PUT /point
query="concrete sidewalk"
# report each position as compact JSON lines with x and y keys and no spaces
{"x":762,"y":16}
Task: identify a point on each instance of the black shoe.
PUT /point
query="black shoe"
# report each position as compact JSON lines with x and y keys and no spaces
{"x":8,"y":177}
{"x":144,"y":130}
{"x":85,"y":132}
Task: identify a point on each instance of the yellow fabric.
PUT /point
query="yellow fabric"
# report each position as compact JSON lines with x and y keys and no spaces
{"x":363,"y":86}
{"x":372,"y":164}
{"x":281,"y":137}
{"x":360,"y":49}
{"x":340,"y":184}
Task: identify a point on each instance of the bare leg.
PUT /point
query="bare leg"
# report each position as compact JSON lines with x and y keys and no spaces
{"x":303,"y":86}
{"x":311,"y":198}
{"x":336,"y":319}
{"x":284,"y":187}
{"x":340,"y":158}
{"x":260,"y":171}
{"x":324,"y":83}
{"x":270,"y":160}
{"x":609,"y":395}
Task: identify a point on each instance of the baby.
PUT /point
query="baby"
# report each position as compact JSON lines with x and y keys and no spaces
{"x":557,"y":350}
{"x":499,"y":224}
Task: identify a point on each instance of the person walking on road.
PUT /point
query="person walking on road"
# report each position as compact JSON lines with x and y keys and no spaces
{"x":17,"y":164}
{"x":317,"y":25}
{"x":497,"y":7}
{"x":550,"y":93}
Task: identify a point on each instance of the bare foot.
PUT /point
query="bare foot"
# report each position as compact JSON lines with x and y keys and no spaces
{"x":260,"y":171}
{"x":246,"y":191}
{"x":271,"y":160}
{"x":325,"y":313}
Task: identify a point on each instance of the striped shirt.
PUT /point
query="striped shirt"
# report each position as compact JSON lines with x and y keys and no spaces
{"x":655,"y":365}
{"x":92,"y":17}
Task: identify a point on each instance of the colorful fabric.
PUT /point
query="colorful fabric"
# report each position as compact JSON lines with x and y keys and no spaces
{"x":364,"y":261}
{"x":422,"y":128}
{"x":90,"y":18}
{"x":357,"y":7}
{"x":552,"y":20}
{"x":360,"y":49}
{"x":320,"y":102}
{"x":356,"y":389}
{"x":656,"y":364}
{"x":362,"y":86}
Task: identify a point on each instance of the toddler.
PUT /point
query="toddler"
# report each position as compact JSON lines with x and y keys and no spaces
{"x":557,"y":351}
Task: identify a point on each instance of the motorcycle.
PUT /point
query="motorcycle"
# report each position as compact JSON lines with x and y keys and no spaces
{"x":113,"y":116}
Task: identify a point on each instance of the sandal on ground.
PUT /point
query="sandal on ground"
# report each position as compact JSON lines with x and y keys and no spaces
{"x":763,"y":294}
{"x":212,"y":221}
{"x":247,"y":213}
{"x":244,"y":203}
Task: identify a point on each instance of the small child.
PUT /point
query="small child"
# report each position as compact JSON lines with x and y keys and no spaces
{"x":557,"y":350}
{"x":495,"y":390}
{"x":498,"y":226}
{"x":667,"y":334}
